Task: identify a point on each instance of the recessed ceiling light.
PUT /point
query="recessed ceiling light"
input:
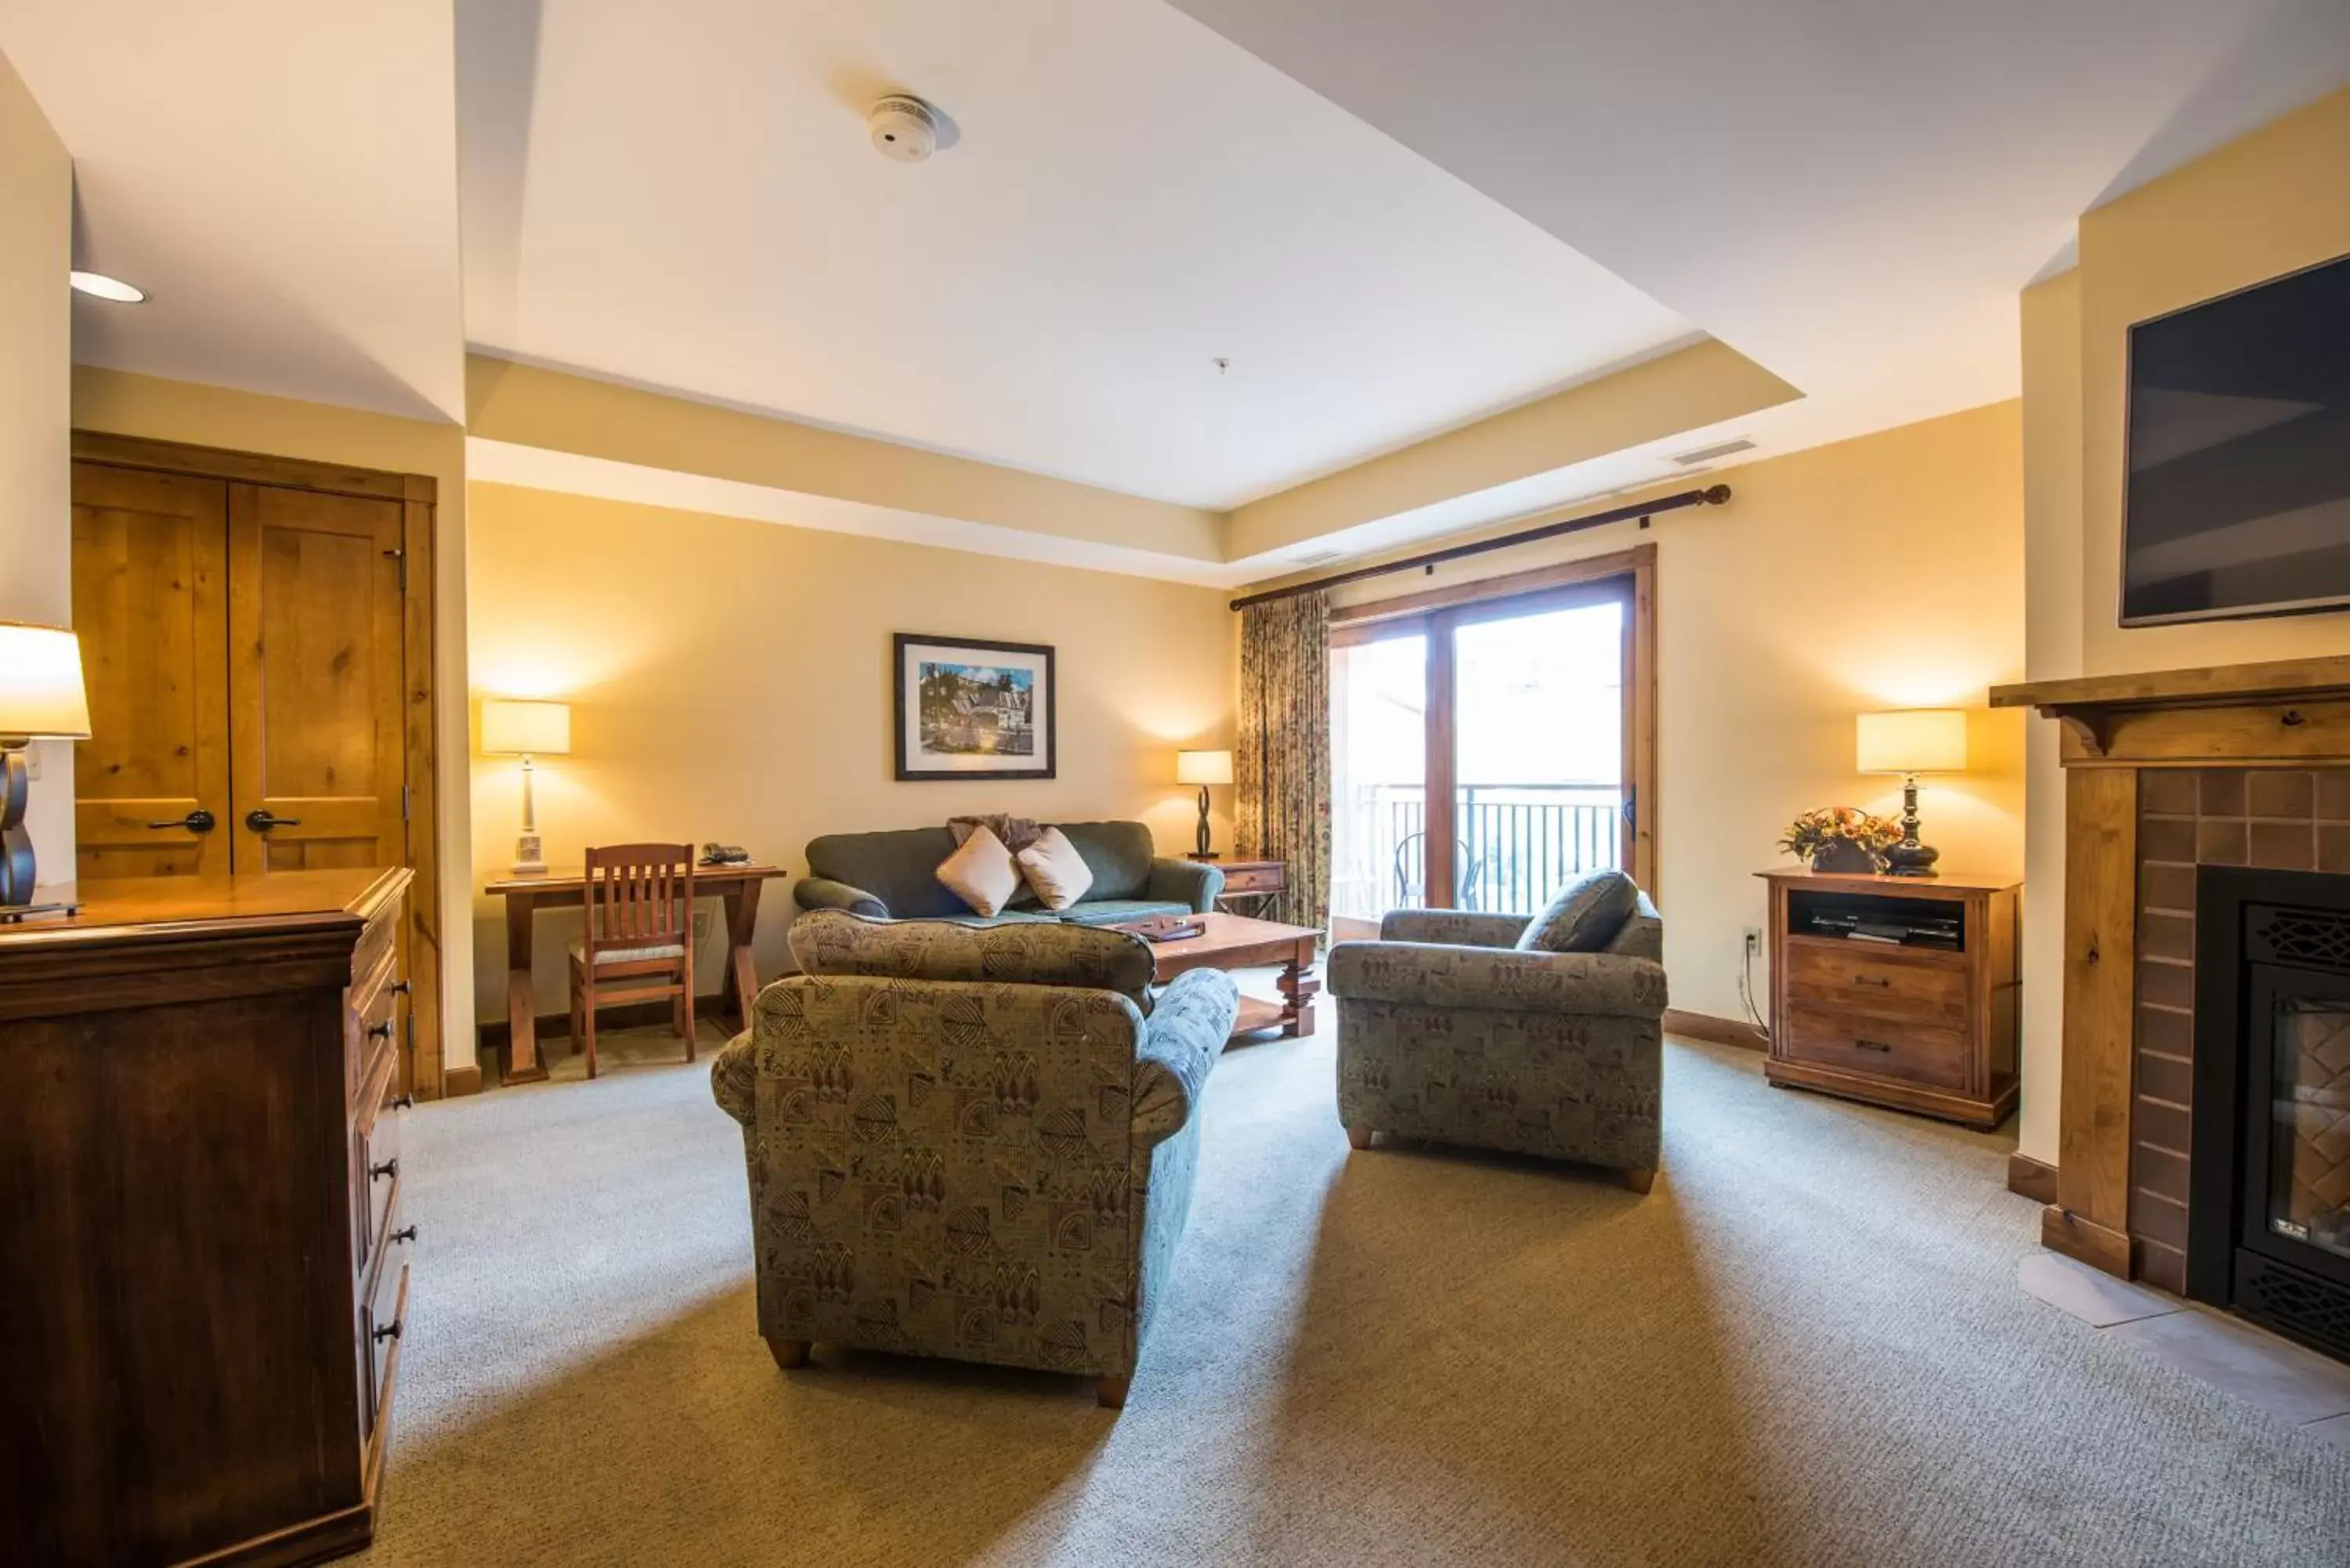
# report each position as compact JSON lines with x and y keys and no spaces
{"x":98,"y":286}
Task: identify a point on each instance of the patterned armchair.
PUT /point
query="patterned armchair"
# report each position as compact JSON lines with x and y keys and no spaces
{"x":1446,"y":1030}
{"x":968,"y":1142}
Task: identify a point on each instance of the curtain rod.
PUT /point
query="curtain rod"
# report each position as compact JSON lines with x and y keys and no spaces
{"x":1712,"y":495}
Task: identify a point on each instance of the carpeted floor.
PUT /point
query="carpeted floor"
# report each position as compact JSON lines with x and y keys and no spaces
{"x":1806,"y":1347}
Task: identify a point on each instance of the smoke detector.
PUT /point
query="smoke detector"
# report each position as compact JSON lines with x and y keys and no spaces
{"x":903,"y":128}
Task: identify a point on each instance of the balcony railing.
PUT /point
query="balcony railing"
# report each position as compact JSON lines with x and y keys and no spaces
{"x":1514,"y":845}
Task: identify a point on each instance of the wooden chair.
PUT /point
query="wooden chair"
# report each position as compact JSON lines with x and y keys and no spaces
{"x":639,"y":941}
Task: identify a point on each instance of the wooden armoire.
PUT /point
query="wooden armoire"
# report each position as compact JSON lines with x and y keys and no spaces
{"x":256,"y":641}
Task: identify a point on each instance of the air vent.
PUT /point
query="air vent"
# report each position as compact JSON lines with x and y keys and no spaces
{"x":1711,"y":453}
{"x":1318,"y":558}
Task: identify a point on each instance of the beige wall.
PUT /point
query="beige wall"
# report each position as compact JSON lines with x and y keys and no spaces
{"x":2273,"y":201}
{"x":36,"y":333}
{"x":730,"y":680}
{"x":1877,"y":572}
{"x":125,"y":404}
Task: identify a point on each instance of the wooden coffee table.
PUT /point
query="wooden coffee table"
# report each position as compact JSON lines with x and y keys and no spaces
{"x":1236,"y":942}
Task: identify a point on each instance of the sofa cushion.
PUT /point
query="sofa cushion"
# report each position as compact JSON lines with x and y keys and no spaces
{"x":1119,"y":854}
{"x":981,"y":873}
{"x":1584,"y":917}
{"x":1118,"y":912}
{"x":900,"y":867}
{"x":1015,"y":952}
{"x":1054,"y":869}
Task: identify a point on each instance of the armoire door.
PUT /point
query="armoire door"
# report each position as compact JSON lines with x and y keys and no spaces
{"x":315,"y":680}
{"x":151,"y":602}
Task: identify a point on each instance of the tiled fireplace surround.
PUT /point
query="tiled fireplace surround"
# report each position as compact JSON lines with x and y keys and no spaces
{"x":2165,"y":770}
{"x":2286,"y":819}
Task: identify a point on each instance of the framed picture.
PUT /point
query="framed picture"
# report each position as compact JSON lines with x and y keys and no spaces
{"x":971,"y":710}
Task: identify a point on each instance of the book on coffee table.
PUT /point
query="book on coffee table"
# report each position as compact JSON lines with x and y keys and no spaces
{"x":1165,"y":927}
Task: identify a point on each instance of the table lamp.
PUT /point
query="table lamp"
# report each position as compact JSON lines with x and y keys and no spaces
{"x":1203,"y":768}
{"x":41,"y":698}
{"x":1910,"y":742}
{"x":511,"y":728}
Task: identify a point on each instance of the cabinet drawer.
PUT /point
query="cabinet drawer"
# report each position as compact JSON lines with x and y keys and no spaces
{"x":1255,"y":878}
{"x":383,"y":1321}
{"x":1884,"y":983}
{"x":1880,"y":1047}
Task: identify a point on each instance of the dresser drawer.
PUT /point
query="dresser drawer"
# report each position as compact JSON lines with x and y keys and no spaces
{"x":1255,"y":878}
{"x":1881,"y":1047}
{"x":1884,"y":982}
{"x":383,"y":1320}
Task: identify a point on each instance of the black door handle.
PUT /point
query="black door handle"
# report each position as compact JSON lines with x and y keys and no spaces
{"x":389,"y":1168}
{"x":197,"y":821}
{"x":260,"y":821}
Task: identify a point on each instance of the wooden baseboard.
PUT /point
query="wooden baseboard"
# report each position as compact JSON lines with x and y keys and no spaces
{"x":628,"y":1015}
{"x":458,"y":1081}
{"x":1715,"y":1031}
{"x":2032,"y":1178}
{"x":2085,"y":1240}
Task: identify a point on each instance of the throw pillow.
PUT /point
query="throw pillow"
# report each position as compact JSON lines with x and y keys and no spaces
{"x":981,"y":873}
{"x":1587,"y":914}
{"x":1056,"y":870}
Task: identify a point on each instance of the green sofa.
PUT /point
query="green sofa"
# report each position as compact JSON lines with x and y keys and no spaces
{"x":894,"y":876}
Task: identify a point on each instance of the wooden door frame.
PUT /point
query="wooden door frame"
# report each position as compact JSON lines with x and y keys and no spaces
{"x":422,"y":1065}
{"x":1434,"y":612}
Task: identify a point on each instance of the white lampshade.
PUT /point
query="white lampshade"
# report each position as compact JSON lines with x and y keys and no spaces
{"x":40,"y":683}
{"x":511,"y":728}
{"x":1913,"y":740}
{"x":1203,"y":768}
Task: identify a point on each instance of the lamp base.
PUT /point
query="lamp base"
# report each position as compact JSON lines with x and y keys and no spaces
{"x":16,"y":867}
{"x":1909,"y":858}
{"x":529,"y":857}
{"x":1204,"y":852}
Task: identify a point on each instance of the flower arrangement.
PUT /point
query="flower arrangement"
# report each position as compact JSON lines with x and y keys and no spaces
{"x":1840,"y":838}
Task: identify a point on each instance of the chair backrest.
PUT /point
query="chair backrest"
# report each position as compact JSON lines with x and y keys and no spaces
{"x":640,"y":895}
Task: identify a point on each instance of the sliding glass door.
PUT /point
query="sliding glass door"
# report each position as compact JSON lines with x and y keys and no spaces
{"x":1486,"y":750}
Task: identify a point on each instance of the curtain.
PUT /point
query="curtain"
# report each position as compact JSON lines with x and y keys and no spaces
{"x":1283,"y":766}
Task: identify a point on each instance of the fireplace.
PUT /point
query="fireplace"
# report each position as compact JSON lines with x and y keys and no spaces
{"x":2269,"y":1176}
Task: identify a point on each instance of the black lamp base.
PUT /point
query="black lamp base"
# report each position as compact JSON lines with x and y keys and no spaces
{"x":1909,"y":858}
{"x":1204,"y":851}
{"x":17,"y":868}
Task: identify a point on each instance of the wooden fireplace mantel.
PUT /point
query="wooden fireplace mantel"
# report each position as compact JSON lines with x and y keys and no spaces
{"x":2119,"y":732}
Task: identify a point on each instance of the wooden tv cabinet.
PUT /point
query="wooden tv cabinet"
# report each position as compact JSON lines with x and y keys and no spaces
{"x":1914,"y":1028}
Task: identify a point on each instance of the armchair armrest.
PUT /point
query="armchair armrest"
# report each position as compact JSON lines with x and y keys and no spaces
{"x":1186,"y":1032}
{"x":1452,"y":928}
{"x":1192,"y":882}
{"x":734,"y":1078}
{"x":824,"y":893}
{"x":1430,"y":974}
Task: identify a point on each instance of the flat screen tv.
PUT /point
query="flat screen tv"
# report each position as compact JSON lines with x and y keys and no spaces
{"x":2238,"y":502}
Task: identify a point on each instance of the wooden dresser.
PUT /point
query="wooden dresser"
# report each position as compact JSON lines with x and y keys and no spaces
{"x":203,"y":1266}
{"x":1929,"y":1025}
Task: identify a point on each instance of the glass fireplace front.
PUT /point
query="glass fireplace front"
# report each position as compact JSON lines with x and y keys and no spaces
{"x":2307,"y":1196}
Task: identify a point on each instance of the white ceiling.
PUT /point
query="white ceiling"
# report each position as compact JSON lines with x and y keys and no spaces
{"x":279,"y":175}
{"x":1393,"y":217}
{"x":1851,"y":195}
{"x":1131,"y":197}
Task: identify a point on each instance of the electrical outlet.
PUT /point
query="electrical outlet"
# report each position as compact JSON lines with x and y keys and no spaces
{"x":701,"y":925}
{"x":1753,"y":941}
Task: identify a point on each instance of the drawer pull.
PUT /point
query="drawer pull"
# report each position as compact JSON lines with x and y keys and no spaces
{"x":400,"y":987}
{"x":405,"y":1233}
{"x":400,"y":1103}
{"x":1875,"y":980}
{"x":389,"y":1331}
{"x":389,"y":1168}
{"x":1872,"y":1045}
{"x":380,"y":1031}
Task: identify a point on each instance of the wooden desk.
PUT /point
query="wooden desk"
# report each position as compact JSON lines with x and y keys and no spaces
{"x":563,"y":887}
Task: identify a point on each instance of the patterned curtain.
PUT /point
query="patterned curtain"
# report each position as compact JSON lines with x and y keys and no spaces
{"x":1283,"y":766}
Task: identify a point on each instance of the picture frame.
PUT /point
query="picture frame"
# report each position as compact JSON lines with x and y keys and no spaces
{"x":968,"y":709}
